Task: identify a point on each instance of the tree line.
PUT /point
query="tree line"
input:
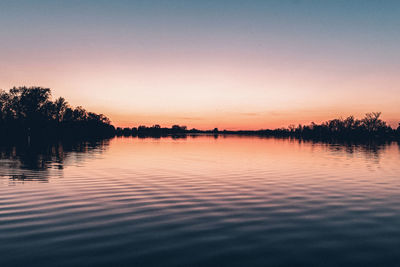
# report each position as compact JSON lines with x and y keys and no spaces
{"x":371,"y":127}
{"x":155,"y":131}
{"x":30,"y":111}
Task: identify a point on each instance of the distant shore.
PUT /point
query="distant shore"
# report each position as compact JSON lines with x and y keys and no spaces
{"x":259,"y":133}
{"x":371,"y":127}
{"x":29,"y":112}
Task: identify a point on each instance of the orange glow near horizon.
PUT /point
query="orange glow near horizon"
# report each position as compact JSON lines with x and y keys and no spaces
{"x":227,"y":96}
{"x":237,"y":149}
{"x":253,"y":66}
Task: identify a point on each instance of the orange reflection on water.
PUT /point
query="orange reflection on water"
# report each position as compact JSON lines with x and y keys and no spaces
{"x":225,"y":168}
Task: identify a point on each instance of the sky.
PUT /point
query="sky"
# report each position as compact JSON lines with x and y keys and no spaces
{"x":205,"y":64}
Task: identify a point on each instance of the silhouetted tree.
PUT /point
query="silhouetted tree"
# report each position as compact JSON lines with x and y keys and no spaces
{"x":60,"y":107}
{"x":372,"y":122}
{"x":29,"y":110}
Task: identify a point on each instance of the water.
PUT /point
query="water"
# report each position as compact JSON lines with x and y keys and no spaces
{"x":204,"y":201}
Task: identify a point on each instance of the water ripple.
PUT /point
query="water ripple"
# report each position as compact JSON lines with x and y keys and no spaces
{"x":203,"y":202}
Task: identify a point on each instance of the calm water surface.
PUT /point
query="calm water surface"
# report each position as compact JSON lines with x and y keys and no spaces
{"x":204,"y":201}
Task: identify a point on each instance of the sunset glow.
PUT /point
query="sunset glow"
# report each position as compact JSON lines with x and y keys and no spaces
{"x":204,"y":64}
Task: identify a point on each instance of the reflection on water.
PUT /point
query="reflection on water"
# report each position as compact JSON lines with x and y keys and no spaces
{"x":20,"y":161}
{"x":44,"y":156}
{"x":372,"y":151}
{"x":200,"y":201}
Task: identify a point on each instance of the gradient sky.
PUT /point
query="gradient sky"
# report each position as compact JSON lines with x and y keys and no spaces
{"x":227,"y":64}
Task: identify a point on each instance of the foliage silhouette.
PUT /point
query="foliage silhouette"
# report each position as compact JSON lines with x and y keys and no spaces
{"x":371,"y":127}
{"x":154,"y":131}
{"x":29,"y":111}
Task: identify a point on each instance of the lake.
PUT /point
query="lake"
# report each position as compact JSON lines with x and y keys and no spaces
{"x":200,"y":201}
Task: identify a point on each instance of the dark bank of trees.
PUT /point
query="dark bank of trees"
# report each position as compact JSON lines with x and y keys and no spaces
{"x":31,"y":112}
{"x":158,"y":131}
{"x":371,"y":127}
{"x":154,"y":131}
